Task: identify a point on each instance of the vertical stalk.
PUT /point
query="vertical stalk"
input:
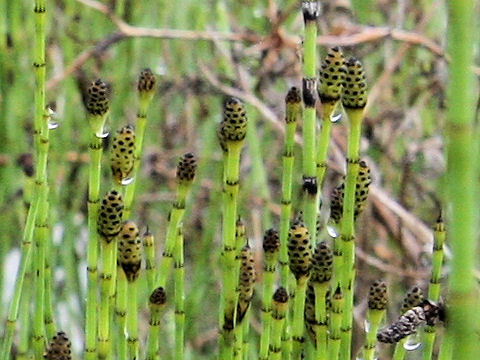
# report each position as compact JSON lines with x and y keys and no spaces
{"x":97,"y":108}
{"x":310,"y":14}
{"x":335,"y":324}
{"x":292,"y":115}
{"x":121,"y":313}
{"x":354,"y":101}
{"x":279,"y":309}
{"x":41,"y":143}
{"x":435,"y":281}
{"x":146,"y":89}
{"x":232,"y":133}
{"x":179,"y":295}
{"x":157,"y":303}
{"x":149,"y":248}
{"x":461,"y":174}
{"x":270,"y":247}
{"x":132,"y":321}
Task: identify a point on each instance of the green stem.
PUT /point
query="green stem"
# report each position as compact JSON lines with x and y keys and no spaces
{"x":374,"y":317}
{"x":298,"y":317}
{"x":176,"y":216}
{"x":335,"y":325}
{"x":179,"y":296}
{"x":348,"y":227}
{"x":41,"y":230}
{"x":121,"y":313}
{"x":268,"y":281}
{"x":461,"y":174}
{"x":132,"y":321}
{"x":399,"y":353}
{"x":321,"y":290}
{"x":230,"y":264}
{"x":95,"y":150}
{"x":108,"y":262}
{"x":435,"y":282}
{"x":149,"y":248}
{"x":292,"y":115}
{"x":310,"y":15}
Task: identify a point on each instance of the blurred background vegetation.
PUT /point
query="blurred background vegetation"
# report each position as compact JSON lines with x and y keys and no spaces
{"x":202,"y":51}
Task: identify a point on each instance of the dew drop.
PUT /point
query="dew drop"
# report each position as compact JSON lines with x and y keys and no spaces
{"x":332,"y":230}
{"x":412,"y":343}
{"x":52,"y":125}
{"x":127,"y":181}
{"x":102,"y":135}
{"x":336,"y":118}
{"x":366,"y":324}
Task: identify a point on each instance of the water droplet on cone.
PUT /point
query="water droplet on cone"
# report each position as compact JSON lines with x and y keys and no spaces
{"x":336,"y":118}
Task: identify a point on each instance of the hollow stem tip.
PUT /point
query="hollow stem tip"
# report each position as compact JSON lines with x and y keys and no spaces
{"x":123,"y":154}
{"x":129,"y":250}
{"x":110,"y":215}
{"x":59,"y":348}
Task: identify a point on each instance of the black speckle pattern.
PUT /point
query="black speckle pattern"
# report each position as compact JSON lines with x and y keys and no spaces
{"x":377,"y":296}
{"x":130,"y":250}
{"x":186,"y":168}
{"x":146,"y":81}
{"x":299,"y":250}
{"x":123,"y":154}
{"x":97,"y":102}
{"x":332,"y":76}
{"x":110,"y":215}
{"x":59,"y":348}
{"x":355,"y":87}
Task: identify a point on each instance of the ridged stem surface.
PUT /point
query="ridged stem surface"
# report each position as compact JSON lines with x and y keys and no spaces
{"x":462,"y":172}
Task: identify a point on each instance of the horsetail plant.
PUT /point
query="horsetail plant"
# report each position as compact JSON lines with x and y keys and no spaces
{"x":59,"y":348}
{"x":246,"y":283}
{"x":462,"y":168}
{"x":300,"y":255}
{"x":97,"y":105}
{"x":413,"y":298}
{"x":157,"y":303}
{"x":335,"y":324}
{"x":279,"y":311}
{"x":233,"y":132}
{"x":354,"y":100}
{"x":271,"y":246}
{"x":40,"y":196}
{"x":377,"y":305}
{"x":179,"y":294}
{"x":146,"y":87}
{"x":130,"y":259}
{"x":293,"y":111}
{"x":330,"y":84}
{"x":185,"y":175}
{"x":322,"y":266}
{"x":310,"y":15}
{"x":149,"y":249}
{"x":109,"y":224}
{"x":435,"y":281}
